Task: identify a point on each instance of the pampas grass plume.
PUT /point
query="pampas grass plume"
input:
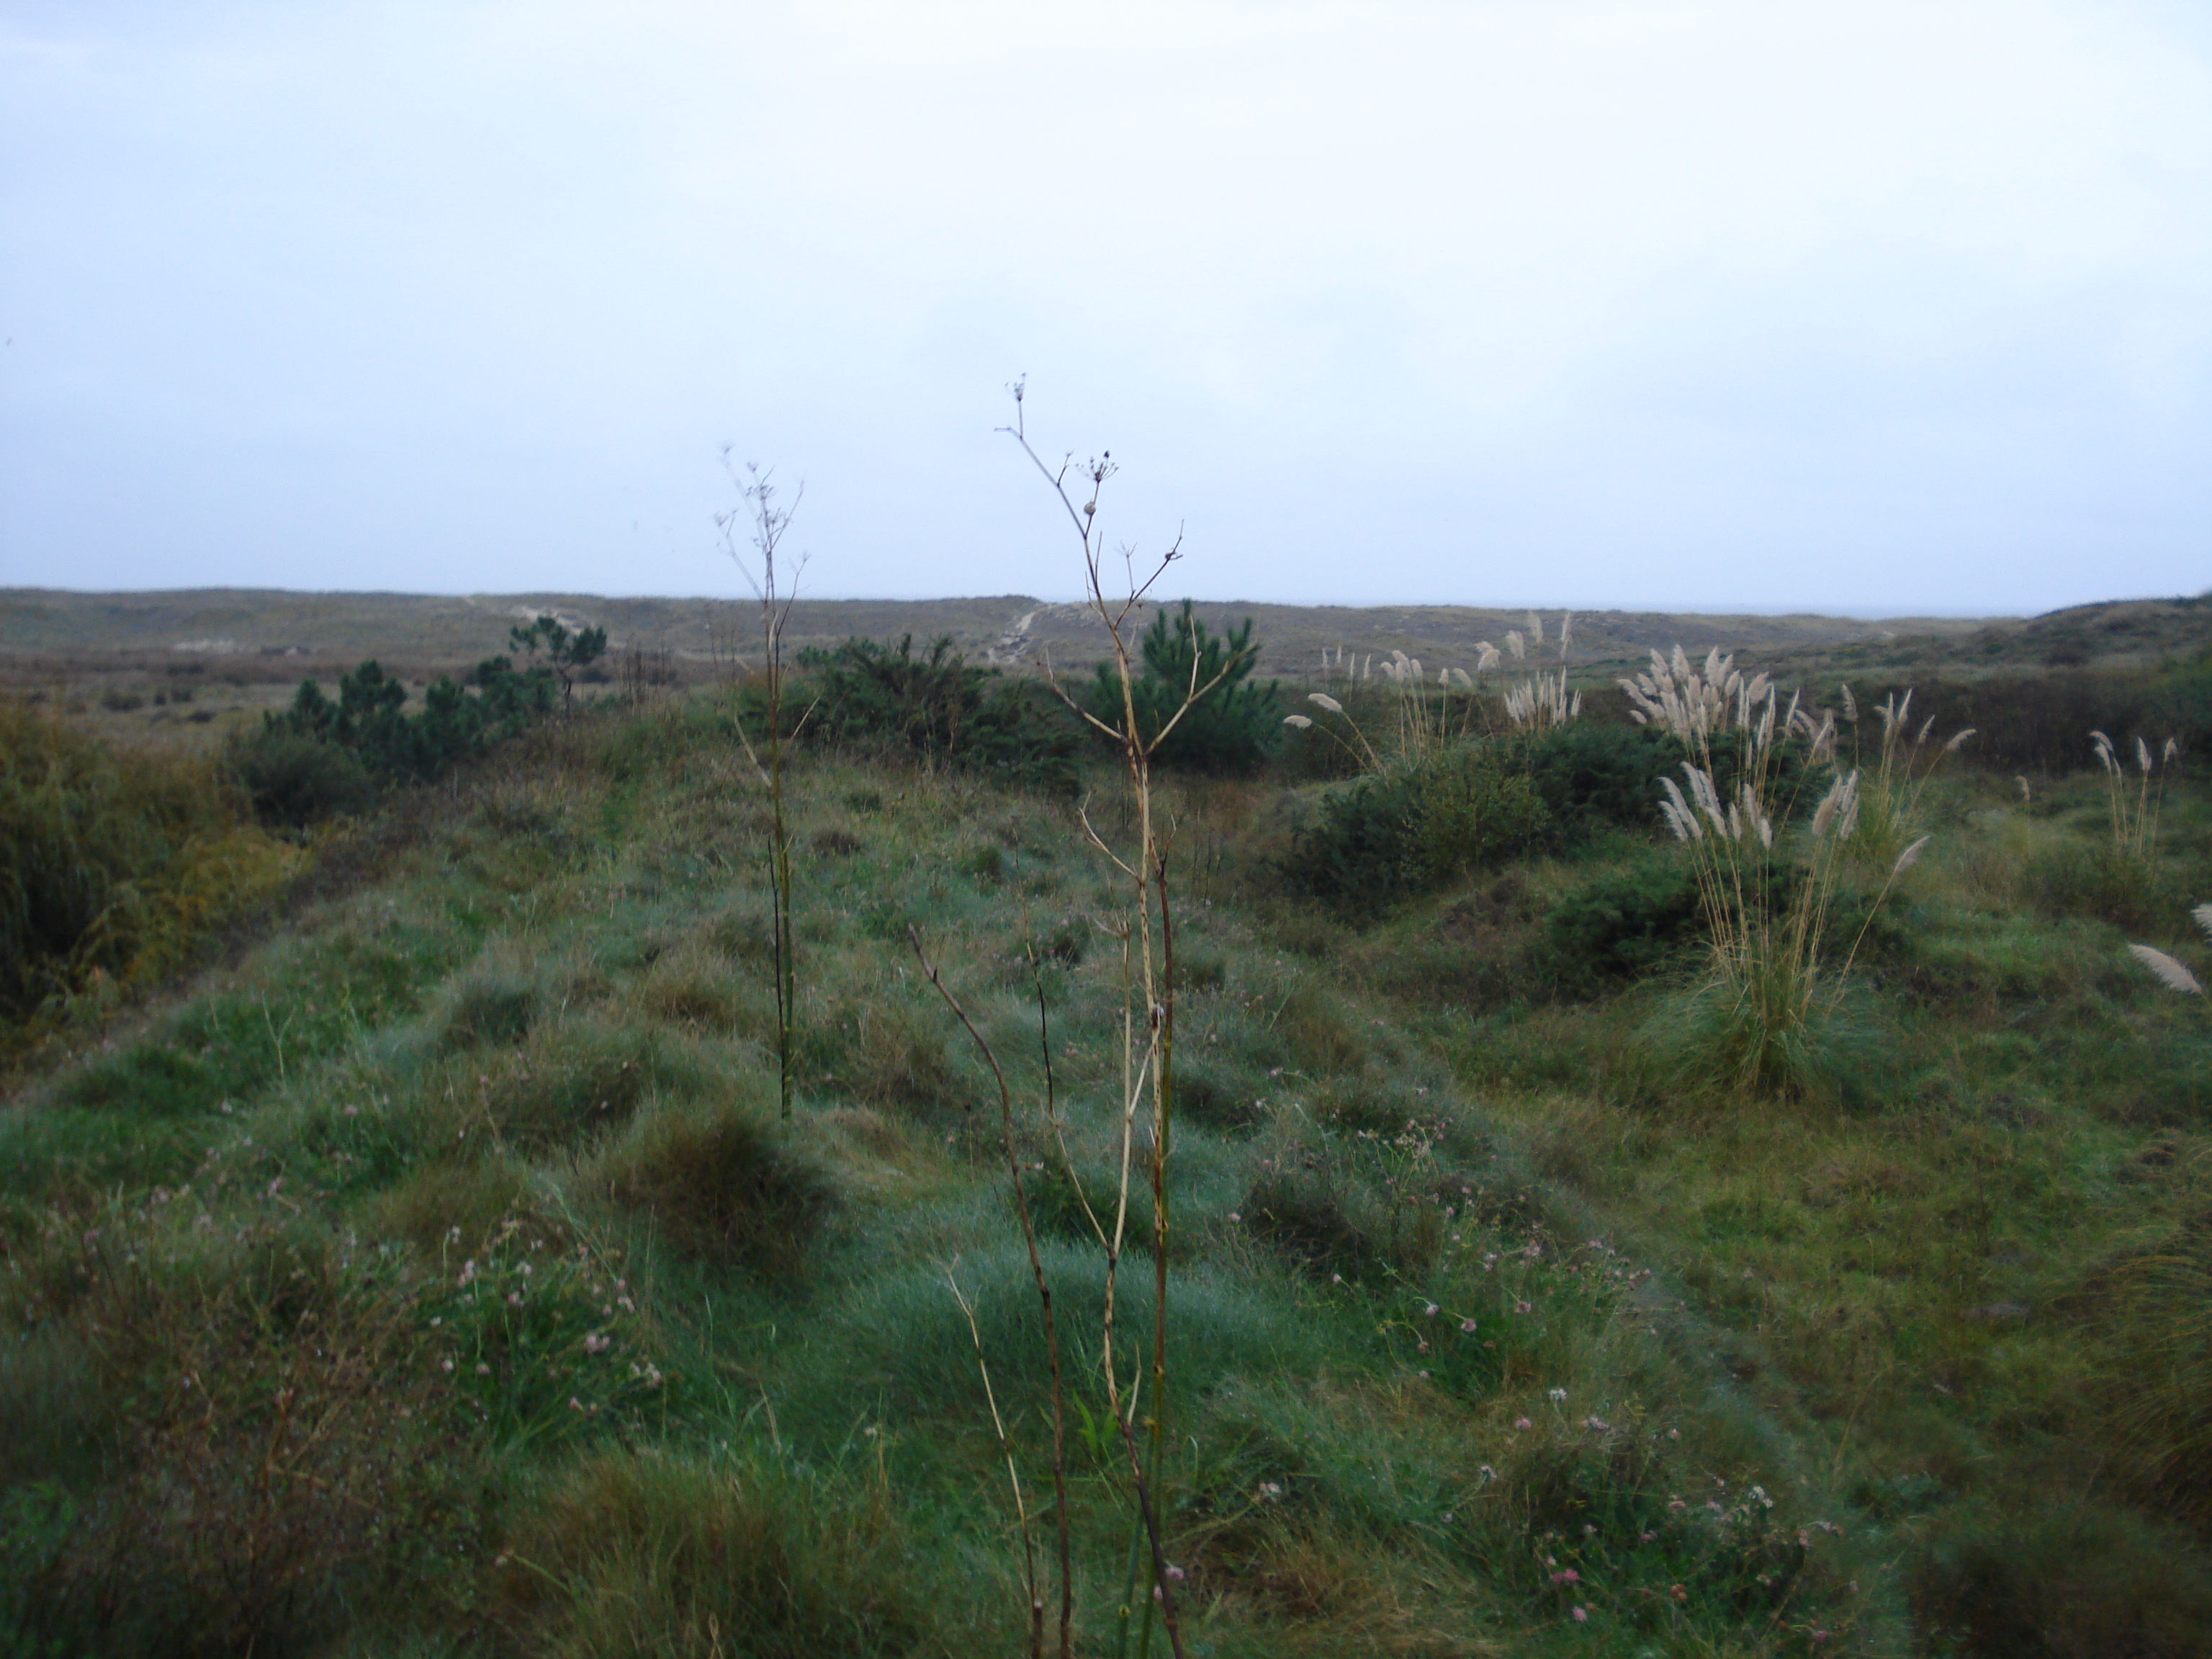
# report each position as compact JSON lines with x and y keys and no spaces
{"x":1322,"y":700}
{"x":2169,"y":971}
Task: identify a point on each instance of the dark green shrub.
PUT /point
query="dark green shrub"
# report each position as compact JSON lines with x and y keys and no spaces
{"x":1627,"y":922}
{"x":368,"y":724}
{"x":937,"y":705}
{"x":1419,"y":824}
{"x":1233,"y":727}
{"x":1592,"y":775}
{"x":294,"y":781}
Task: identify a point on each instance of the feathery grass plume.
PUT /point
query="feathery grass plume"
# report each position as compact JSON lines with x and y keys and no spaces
{"x":1423,"y":718}
{"x":2170,"y":972}
{"x":2132,"y":808}
{"x":1541,"y":701}
{"x":1544,"y":701}
{"x":1364,"y":754}
{"x":1895,"y":779}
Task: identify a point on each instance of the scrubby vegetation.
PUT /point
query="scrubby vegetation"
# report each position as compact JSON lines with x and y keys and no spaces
{"x":438,"y":1276}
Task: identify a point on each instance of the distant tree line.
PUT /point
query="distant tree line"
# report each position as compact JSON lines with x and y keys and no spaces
{"x":324,"y":756}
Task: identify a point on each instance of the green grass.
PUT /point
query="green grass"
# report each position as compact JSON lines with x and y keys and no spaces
{"x":503,"y":1102}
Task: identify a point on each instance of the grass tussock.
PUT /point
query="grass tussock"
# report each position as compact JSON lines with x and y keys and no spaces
{"x":631,"y":1554}
{"x":718,"y":1183}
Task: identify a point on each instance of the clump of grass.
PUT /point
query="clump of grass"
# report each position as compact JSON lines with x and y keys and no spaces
{"x":629,"y":1554}
{"x":489,"y":1009}
{"x":718,"y":1183}
{"x":2162,"y":1321}
{"x":2132,"y":812}
{"x":2061,"y":1583}
{"x":1890,"y":788}
{"x":114,"y":866}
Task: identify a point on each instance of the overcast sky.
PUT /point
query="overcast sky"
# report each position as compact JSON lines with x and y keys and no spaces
{"x":1787,"y":305}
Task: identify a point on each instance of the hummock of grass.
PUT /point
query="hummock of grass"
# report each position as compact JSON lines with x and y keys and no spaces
{"x":437,"y":1278}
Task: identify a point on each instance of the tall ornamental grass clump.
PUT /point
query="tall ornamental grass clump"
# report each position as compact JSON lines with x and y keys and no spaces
{"x":1541,"y":701}
{"x":2131,"y":806}
{"x":1762,"y":1022}
{"x":1890,"y":787}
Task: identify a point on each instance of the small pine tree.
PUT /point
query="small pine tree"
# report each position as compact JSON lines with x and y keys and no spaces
{"x":568,"y":653}
{"x":1231,"y":728}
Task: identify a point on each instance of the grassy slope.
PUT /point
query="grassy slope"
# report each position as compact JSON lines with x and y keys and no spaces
{"x":529,"y":1055}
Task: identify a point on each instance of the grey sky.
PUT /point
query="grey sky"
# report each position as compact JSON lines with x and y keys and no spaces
{"x":1859,"y":305}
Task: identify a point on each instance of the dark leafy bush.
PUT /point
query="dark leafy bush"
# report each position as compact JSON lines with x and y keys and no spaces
{"x":293,"y":780}
{"x":1592,"y":775}
{"x":320,"y":758}
{"x":1233,"y":727}
{"x":1419,"y":824}
{"x":937,"y":704}
{"x":1627,"y":922}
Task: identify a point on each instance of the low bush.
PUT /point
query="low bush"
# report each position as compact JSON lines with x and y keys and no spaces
{"x":1592,"y":775}
{"x":320,"y":758}
{"x":1418,"y":825}
{"x":935,"y":704}
{"x":1627,"y":922}
{"x":293,"y":779}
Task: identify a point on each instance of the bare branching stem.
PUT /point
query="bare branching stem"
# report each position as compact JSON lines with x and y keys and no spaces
{"x":1051,"y":1331}
{"x":765,"y":524}
{"x":1148,"y":1006}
